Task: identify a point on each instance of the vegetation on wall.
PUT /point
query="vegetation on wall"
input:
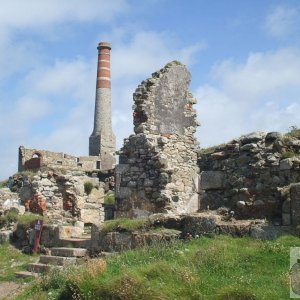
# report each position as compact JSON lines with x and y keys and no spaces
{"x":88,"y":186}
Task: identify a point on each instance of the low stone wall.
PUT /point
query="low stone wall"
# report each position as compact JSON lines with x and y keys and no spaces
{"x":165,"y":227}
{"x":252,"y":176}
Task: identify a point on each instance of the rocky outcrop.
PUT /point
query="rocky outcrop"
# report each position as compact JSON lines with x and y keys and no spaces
{"x":158,"y":169}
{"x":251,"y":176}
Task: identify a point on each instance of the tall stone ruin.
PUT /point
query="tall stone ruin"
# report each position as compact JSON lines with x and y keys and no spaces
{"x":157,"y":171}
{"x":102,"y":141}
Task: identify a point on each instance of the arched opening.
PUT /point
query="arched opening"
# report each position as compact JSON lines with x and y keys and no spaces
{"x":34,"y":162}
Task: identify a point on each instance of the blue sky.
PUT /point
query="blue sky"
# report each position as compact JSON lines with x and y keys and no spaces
{"x":244,"y":57}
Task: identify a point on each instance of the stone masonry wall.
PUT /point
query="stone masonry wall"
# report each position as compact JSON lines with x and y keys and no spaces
{"x":157,"y":169}
{"x":253,"y":176}
{"x":33,"y":159}
{"x":65,"y":198}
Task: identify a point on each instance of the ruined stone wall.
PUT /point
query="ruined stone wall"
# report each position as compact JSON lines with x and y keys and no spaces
{"x":33,"y":159}
{"x":157,"y":169}
{"x":252,"y":176}
{"x":65,"y":198}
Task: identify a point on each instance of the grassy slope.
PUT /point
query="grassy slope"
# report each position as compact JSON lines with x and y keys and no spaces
{"x":205,"y":268}
{"x":12,"y":260}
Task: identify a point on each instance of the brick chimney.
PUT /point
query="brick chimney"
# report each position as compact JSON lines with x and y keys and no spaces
{"x":102,"y":142}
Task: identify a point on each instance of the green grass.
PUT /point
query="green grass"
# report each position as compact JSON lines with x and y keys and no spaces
{"x":24,"y":220}
{"x":124,"y":224}
{"x":11,"y":261}
{"x":206,"y":268}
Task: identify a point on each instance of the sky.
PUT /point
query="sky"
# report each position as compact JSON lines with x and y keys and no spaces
{"x":244,"y":57}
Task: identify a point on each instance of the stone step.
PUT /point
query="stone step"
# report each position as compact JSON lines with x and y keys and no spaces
{"x":75,"y":242}
{"x":38,"y":268}
{"x":26,"y":274}
{"x":57,"y":260}
{"x":68,"y":252}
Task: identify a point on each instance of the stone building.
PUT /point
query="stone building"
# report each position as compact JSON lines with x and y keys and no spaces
{"x":157,"y":169}
{"x":102,"y":141}
{"x":33,"y":159}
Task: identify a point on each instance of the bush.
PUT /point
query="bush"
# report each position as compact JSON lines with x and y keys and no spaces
{"x":294,"y":132}
{"x":88,"y":186}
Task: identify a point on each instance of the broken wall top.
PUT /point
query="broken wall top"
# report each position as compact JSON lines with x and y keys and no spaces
{"x":163,"y":104}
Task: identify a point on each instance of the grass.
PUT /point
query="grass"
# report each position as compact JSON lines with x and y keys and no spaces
{"x":205,"y":268}
{"x":11,"y":261}
{"x":109,"y":198}
{"x":289,"y":154}
{"x":124,"y":224}
{"x":294,"y":132}
{"x":3,"y":183}
{"x":29,"y":174}
{"x":210,"y":150}
{"x":23,"y":220}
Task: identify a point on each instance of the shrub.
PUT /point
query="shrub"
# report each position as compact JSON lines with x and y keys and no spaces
{"x":88,"y":186}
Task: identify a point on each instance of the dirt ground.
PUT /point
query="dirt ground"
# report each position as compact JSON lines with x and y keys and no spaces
{"x":8,"y":289}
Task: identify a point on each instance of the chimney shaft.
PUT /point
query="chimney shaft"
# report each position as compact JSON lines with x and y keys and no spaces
{"x":102,"y":141}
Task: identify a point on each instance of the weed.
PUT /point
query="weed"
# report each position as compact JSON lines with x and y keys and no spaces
{"x":109,"y":198}
{"x":294,"y":132}
{"x":3,"y":183}
{"x":289,"y":154}
{"x":10,"y":217}
{"x":88,"y":186}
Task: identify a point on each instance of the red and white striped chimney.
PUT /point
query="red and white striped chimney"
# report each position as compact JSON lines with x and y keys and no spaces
{"x":102,"y":141}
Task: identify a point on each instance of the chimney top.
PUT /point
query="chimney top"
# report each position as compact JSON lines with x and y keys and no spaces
{"x":104,"y":45}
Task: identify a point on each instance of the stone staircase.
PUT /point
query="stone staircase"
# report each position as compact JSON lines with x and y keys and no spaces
{"x":71,"y":249}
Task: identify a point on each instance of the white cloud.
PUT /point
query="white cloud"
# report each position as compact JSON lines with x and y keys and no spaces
{"x":34,"y":14}
{"x":282,"y":21}
{"x":60,"y":96}
{"x":260,"y":94}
